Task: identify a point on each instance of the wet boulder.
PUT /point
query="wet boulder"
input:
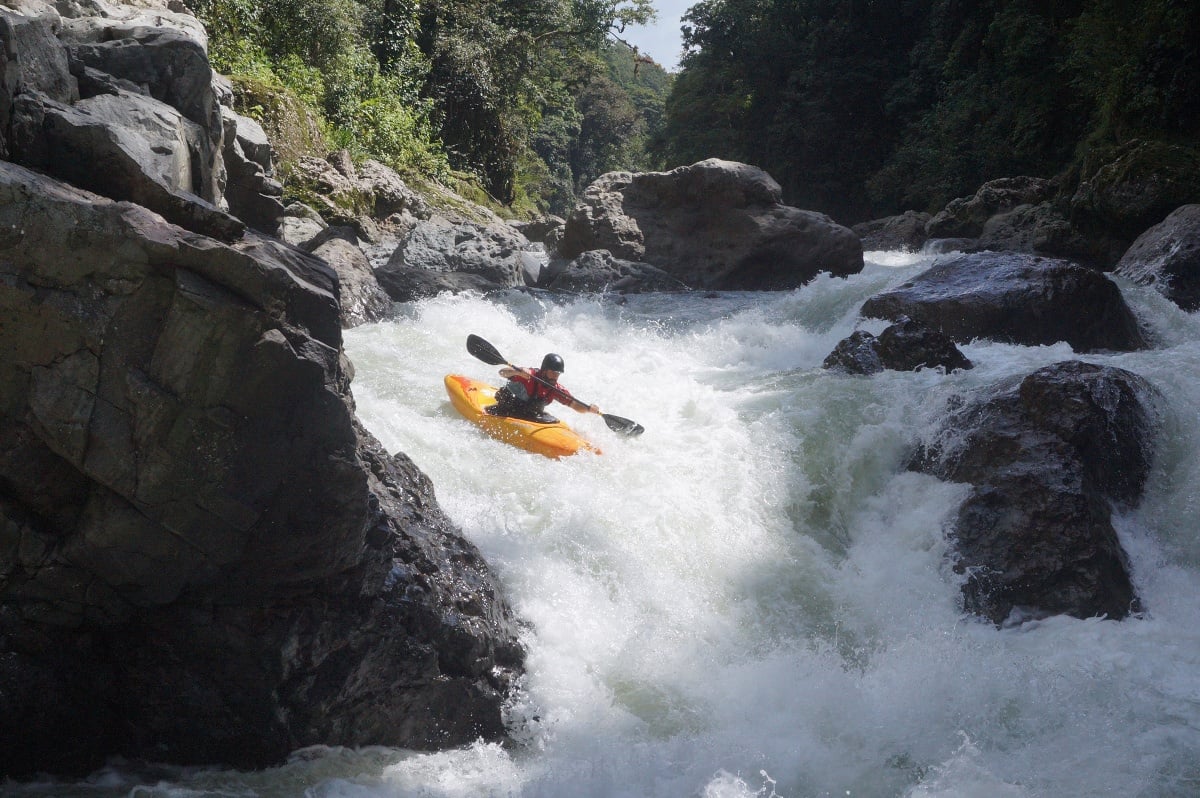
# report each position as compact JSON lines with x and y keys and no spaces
{"x":598,"y":270}
{"x":857,"y":353}
{"x":1167,"y":256}
{"x":904,"y":346}
{"x":715,"y":224}
{"x":204,"y":558}
{"x":1048,"y":457}
{"x":1015,"y":298}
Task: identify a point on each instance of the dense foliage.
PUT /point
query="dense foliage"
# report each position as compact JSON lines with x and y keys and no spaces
{"x":867,"y":107}
{"x":534,"y":98}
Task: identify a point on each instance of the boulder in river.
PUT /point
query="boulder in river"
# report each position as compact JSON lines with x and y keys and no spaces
{"x":597,"y":270}
{"x":1167,"y":256}
{"x":1015,"y":298}
{"x":715,"y":224}
{"x":904,"y":346}
{"x":1048,"y":457}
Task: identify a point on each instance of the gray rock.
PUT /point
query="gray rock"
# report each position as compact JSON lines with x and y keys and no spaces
{"x":31,"y":61}
{"x":597,"y":270}
{"x":857,"y":353}
{"x":391,"y":193}
{"x":34,"y":58}
{"x":965,"y":217}
{"x":250,"y":192}
{"x":1015,"y":298}
{"x":904,"y":346}
{"x":360,"y":297}
{"x":538,"y":230}
{"x":1047,"y":456}
{"x":715,"y":224}
{"x":1041,"y":228}
{"x":300,"y":230}
{"x":128,"y":147}
{"x":203,"y":557}
{"x":1167,"y":256}
{"x":90,"y":21}
{"x":172,"y":66}
{"x":903,"y":232}
{"x":490,"y":254}
{"x":252,"y":140}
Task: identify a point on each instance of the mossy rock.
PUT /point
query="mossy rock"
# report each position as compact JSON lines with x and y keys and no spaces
{"x":1137,"y":187}
{"x":293,"y":127}
{"x":318,"y":184}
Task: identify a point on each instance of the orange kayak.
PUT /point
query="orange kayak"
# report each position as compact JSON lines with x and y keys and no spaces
{"x":472,"y":398}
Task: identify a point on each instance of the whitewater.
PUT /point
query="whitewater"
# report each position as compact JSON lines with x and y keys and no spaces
{"x":753,"y":597}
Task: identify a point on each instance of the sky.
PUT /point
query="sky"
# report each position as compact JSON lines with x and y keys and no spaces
{"x":661,"y":41}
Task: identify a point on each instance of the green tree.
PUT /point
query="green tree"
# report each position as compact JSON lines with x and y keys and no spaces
{"x":865,"y":107}
{"x":495,"y":65}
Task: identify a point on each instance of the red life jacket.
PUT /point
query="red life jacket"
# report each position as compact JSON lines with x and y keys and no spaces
{"x":541,"y":394}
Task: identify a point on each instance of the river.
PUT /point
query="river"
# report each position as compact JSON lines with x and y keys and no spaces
{"x":752,"y":598}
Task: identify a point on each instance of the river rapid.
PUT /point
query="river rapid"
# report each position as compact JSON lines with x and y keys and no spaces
{"x":752,"y":598}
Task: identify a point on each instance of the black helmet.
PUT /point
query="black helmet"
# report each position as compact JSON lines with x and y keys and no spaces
{"x":553,"y":362}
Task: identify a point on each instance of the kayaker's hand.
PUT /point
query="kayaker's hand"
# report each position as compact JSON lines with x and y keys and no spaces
{"x":594,"y":409}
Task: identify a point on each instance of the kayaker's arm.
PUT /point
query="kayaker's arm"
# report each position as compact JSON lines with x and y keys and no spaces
{"x":581,"y":407}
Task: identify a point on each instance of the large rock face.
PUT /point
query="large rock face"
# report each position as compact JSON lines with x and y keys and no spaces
{"x":203,"y":558}
{"x":1167,"y":256}
{"x":1048,"y":456}
{"x":441,"y":255}
{"x":1015,"y":298}
{"x":119,"y":101}
{"x":715,"y":224}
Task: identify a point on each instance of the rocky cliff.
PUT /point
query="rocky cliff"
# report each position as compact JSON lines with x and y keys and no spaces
{"x":203,"y":556}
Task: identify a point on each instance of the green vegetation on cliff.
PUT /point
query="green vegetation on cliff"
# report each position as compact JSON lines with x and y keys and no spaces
{"x":868,"y":107}
{"x":530,"y":99}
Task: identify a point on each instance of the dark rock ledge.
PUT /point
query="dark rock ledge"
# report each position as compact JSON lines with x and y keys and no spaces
{"x":1015,"y":298}
{"x":203,"y":557}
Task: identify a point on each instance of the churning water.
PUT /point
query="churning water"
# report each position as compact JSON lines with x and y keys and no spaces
{"x":751,"y":599}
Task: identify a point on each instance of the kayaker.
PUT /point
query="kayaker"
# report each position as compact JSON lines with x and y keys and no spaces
{"x":529,"y":390}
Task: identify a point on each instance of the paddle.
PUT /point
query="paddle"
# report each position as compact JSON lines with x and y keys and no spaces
{"x":491,"y":355}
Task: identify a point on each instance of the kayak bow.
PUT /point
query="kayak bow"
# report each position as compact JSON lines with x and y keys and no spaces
{"x":471,"y":398}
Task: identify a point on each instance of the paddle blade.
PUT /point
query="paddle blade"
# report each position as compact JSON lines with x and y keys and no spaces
{"x":623,"y":425}
{"x":485,"y":351}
